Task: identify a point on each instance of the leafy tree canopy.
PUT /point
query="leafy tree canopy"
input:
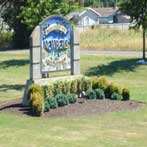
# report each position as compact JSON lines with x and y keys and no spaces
{"x":36,"y":10}
{"x":23,"y":15}
{"x":137,"y":10}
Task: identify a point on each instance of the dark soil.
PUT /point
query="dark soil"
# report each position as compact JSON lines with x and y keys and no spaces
{"x":83,"y":107}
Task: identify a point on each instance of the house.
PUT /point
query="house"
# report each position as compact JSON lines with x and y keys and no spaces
{"x":95,"y":16}
{"x":73,"y":16}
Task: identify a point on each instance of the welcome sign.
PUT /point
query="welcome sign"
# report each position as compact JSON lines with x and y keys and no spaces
{"x":56,"y":44}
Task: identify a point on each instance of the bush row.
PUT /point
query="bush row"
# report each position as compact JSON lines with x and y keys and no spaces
{"x":59,"y":100}
{"x":66,"y":87}
{"x":62,"y":93}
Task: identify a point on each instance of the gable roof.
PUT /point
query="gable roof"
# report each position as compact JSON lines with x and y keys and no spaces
{"x":103,"y":12}
{"x":73,"y":15}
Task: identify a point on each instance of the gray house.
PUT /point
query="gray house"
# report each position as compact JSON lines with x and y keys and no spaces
{"x":95,"y":16}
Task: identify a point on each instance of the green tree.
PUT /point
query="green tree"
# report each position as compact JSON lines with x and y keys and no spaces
{"x":23,"y":15}
{"x":137,"y":10}
{"x":37,"y":10}
{"x":10,"y":9}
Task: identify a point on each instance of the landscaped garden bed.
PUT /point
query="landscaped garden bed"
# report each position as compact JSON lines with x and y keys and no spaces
{"x":83,"y":107}
{"x":78,"y":97}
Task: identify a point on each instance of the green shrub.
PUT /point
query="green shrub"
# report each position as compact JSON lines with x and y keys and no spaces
{"x":94,"y":82}
{"x":79,"y":86}
{"x":102,"y":83}
{"x":116,"y":96}
{"x":125,"y":94}
{"x":52,"y":102}
{"x":6,"y":39}
{"x":72,"y":98}
{"x":100,"y":93}
{"x":33,"y":89}
{"x":61,"y":100}
{"x":58,"y":87}
{"x":37,"y":104}
{"x":46,"y":106}
{"x":86,"y":84}
{"x":73,"y":88}
{"x":48,"y":90}
{"x":66,"y":87}
{"x":112,"y":88}
{"x":91,"y":94}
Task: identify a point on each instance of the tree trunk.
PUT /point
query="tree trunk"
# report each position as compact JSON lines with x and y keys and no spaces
{"x":144,"y":45}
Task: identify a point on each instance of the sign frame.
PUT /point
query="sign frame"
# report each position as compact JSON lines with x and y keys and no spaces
{"x":71,"y":45}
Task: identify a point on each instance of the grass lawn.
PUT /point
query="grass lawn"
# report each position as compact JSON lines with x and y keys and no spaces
{"x":125,"y":129}
{"x":111,"y":39}
{"x":14,"y":70}
{"x":117,"y":129}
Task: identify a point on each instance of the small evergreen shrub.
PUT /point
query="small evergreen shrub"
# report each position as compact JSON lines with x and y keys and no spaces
{"x":6,"y":39}
{"x":73,"y":88}
{"x":48,"y":90}
{"x":62,"y":100}
{"x":88,"y":84}
{"x":100,"y":93}
{"x":46,"y":106}
{"x":116,"y":96}
{"x":66,"y":87}
{"x":37,"y":104}
{"x":125,"y":94}
{"x":91,"y":94}
{"x":79,"y":86}
{"x":58,"y":86}
{"x":112,"y":88}
{"x":52,"y":102}
{"x":72,"y":98}
{"x":102,"y":83}
{"x":94,"y":82}
{"x":33,"y":89}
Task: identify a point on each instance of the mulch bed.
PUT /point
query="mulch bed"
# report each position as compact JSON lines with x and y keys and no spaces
{"x":83,"y":107}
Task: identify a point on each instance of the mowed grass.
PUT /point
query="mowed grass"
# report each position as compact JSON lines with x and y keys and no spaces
{"x":14,"y":71}
{"x":121,"y":129}
{"x":111,"y":39}
{"x":121,"y":69}
{"x":118,"y":129}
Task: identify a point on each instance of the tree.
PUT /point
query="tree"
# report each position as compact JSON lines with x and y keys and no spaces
{"x":10,"y":9}
{"x":137,"y":10}
{"x":37,"y":10}
{"x":23,"y":15}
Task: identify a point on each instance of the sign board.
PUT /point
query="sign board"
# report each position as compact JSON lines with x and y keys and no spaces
{"x":56,"y":44}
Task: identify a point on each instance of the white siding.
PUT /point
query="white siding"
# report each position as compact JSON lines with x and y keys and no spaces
{"x":88,"y":18}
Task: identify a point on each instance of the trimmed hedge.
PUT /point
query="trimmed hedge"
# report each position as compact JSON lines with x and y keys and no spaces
{"x":72,"y":98}
{"x":116,"y":96}
{"x":52,"y":102}
{"x":91,"y":94}
{"x":125,"y":94}
{"x":62,"y":100}
{"x":100,"y":93}
{"x":37,"y":104}
{"x":111,"y":88}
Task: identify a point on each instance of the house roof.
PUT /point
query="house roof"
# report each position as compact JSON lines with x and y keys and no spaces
{"x":73,"y":14}
{"x":103,"y":12}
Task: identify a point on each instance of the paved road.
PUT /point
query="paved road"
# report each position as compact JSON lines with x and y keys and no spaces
{"x":94,"y":52}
